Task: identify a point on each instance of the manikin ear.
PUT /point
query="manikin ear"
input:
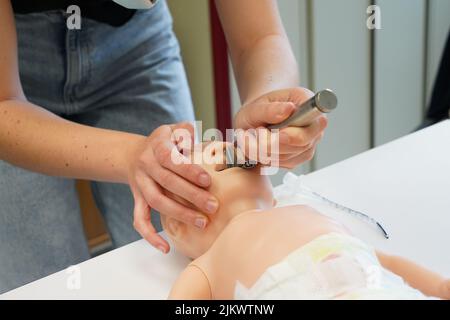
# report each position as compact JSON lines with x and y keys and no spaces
{"x":174,"y":228}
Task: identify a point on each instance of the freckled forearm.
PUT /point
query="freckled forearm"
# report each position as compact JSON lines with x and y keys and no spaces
{"x":262,"y":57}
{"x":37,"y":140}
{"x":267,"y":66}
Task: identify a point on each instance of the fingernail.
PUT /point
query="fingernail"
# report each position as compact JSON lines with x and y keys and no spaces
{"x":162,"y":249}
{"x":200,"y":223}
{"x":212,"y":205}
{"x":285,"y":109}
{"x":323,"y":121}
{"x":282,"y":113}
{"x":204,"y":180}
{"x":284,"y":138}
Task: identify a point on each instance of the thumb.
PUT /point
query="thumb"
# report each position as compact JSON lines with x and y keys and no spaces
{"x":256,"y":115}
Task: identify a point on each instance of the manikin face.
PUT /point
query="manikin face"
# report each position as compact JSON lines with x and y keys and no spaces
{"x":237,"y":190}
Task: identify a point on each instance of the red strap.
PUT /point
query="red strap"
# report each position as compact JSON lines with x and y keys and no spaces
{"x":221,"y":72}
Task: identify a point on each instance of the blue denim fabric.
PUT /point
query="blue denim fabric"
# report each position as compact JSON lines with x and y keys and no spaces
{"x":129,"y":78}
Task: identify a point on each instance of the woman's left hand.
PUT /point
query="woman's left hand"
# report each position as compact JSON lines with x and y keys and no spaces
{"x":296,"y":144}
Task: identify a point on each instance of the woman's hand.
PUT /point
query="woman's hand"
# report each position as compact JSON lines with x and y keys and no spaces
{"x":296,"y":145}
{"x":155,"y":165}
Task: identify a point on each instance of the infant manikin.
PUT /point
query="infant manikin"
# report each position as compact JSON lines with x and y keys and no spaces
{"x":251,"y":250}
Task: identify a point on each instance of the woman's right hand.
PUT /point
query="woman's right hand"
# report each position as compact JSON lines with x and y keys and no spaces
{"x":153,"y":169}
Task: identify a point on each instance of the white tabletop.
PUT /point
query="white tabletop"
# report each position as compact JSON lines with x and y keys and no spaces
{"x":404,"y":184}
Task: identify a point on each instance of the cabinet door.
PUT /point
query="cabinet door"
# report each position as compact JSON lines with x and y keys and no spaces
{"x":399,"y":72}
{"x":341,"y":60}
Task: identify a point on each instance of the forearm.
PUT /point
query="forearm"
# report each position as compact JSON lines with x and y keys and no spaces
{"x":35,"y":139}
{"x":267,"y":65}
{"x":418,"y":277}
{"x":259,"y":48}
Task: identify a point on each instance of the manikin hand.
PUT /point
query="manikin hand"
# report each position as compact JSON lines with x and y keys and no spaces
{"x":152,"y":168}
{"x":445,"y":289}
{"x":297,"y":145}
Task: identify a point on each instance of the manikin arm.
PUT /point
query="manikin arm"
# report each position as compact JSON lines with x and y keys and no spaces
{"x":420,"y":278}
{"x":192,"y":284}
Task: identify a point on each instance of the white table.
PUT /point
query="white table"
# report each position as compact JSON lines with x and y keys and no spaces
{"x":405,"y":184}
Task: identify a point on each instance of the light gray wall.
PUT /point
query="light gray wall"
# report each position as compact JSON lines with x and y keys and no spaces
{"x":399,"y":69}
{"x":341,"y":61}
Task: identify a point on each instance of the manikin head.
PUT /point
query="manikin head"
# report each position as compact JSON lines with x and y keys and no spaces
{"x":237,"y":190}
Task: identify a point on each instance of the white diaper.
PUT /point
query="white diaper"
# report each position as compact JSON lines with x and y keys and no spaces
{"x":332,"y":266}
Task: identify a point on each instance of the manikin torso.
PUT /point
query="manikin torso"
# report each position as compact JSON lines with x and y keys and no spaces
{"x":247,"y":235}
{"x":256,"y":240}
